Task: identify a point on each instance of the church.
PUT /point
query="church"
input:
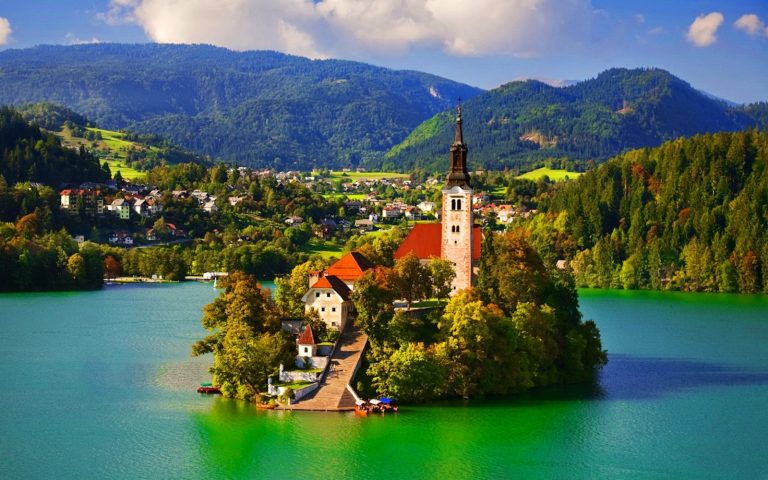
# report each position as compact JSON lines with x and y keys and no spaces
{"x":456,"y":238}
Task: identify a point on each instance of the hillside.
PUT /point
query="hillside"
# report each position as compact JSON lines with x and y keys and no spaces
{"x":521,"y":122}
{"x":690,"y":214}
{"x":256,"y":108}
{"x":29,"y":154}
{"x":125,"y":152}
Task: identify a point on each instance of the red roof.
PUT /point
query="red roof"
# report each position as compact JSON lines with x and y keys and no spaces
{"x":351,"y":267}
{"x":66,"y":192}
{"x":307,"y":338}
{"x":425,"y":240}
{"x":335,"y":283}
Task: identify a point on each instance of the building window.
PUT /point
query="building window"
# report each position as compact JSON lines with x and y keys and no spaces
{"x":306,"y":349}
{"x":322,"y":309}
{"x":317,"y":295}
{"x":328,"y":295}
{"x":455,"y":204}
{"x":333,"y":324}
{"x":333,"y":309}
{"x":454,"y":229}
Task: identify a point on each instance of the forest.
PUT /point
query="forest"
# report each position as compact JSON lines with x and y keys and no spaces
{"x":689,"y":215}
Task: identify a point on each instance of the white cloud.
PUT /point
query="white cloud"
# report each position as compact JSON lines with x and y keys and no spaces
{"x":751,"y":24}
{"x":73,"y":39}
{"x":5,"y":30}
{"x":357,"y":27}
{"x":702,"y":31}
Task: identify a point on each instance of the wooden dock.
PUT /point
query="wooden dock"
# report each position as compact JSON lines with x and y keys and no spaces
{"x":333,"y":395}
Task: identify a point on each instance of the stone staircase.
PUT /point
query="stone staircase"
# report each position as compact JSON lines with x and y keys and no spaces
{"x":332,"y":394}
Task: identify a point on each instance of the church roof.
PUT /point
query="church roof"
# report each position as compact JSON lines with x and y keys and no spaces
{"x":335,"y":283}
{"x":351,"y":267}
{"x":307,"y":337}
{"x":425,"y":240}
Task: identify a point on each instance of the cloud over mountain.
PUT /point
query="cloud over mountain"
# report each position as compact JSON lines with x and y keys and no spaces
{"x":702,"y":31}
{"x":356,"y":27}
{"x":5,"y":30}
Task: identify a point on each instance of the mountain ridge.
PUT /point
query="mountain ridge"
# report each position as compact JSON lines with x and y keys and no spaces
{"x":523,"y":122}
{"x":258,"y":108}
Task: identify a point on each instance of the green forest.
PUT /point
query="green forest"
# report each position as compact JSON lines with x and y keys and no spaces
{"x":690,"y":215}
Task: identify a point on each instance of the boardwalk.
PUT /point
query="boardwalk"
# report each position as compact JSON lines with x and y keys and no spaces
{"x":333,"y":394}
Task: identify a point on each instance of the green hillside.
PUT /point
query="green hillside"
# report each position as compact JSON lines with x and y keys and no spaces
{"x":690,"y":215}
{"x":527,"y":122}
{"x":255,"y":108}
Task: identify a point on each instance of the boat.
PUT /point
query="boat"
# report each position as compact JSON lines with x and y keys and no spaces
{"x":388,"y":404}
{"x":208,"y":388}
{"x":266,"y":406}
{"x":361,"y":408}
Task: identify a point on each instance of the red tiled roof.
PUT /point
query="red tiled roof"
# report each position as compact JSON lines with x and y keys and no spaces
{"x":66,"y":192}
{"x":351,"y":267}
{"x":425,"y":241}
{"x":335,"y":283}
{"x":307,"y":338}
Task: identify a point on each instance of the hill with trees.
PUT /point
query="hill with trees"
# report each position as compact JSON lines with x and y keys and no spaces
{"x":690,"y":215}
{"x":524,"y":121}
{"x":28,"y":154}
{"x":255,"y":108}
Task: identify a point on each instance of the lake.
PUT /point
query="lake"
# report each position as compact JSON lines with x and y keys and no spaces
{"x":101,"y":385}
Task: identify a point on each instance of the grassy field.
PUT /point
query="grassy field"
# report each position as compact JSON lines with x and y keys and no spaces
{"x":350,"y":196}
{"x":554,"y":175}
{"x":335,"y":175}
{"x":112,"y":142}
{"x":322,"y":248}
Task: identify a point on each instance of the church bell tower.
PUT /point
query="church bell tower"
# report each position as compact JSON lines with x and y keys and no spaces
{"x":457,"y":222}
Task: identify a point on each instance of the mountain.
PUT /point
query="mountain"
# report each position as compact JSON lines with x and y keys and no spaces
{"x":521,"y":122}
{"x":255,"y":108}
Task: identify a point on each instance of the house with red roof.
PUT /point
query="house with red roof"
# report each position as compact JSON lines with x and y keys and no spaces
{"x":329,"y":290}
{"x":456,"y":238}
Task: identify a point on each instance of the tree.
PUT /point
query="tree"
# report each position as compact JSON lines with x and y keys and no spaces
{"x":373,"y":298}
{"x":112,"y":267}
{"x":246,"y":340}
{"x":442,"y":273}
{"x":291,"y":288}
{"x":161,"y":228}
{"x":76,"y":268}
{"x":410,"y":279}
{"x":412,"y":373}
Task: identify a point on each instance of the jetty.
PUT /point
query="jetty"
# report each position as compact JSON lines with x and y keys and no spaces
{"x":335,"y":394}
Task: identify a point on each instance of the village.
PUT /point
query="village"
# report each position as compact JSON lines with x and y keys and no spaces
{"x":370,"y":202}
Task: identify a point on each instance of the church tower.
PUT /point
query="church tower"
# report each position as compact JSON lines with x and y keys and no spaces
{"x":457,"y":222}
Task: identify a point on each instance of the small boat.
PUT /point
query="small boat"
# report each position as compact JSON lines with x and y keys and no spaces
{"x":266,"y":406}
{"x":388,"y":404}
{"x":208,"y":388}
{"x":361,"y":408}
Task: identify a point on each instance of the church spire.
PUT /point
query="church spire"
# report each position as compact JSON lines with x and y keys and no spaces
{"x":457,"y":174}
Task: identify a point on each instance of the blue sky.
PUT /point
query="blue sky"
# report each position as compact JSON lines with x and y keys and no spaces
{"x":718,"y":46}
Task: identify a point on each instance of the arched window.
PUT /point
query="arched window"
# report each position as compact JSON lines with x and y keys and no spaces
{"x":458,"y":204}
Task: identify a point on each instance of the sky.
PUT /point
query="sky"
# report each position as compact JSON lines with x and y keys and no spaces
{"x":718,"y":46}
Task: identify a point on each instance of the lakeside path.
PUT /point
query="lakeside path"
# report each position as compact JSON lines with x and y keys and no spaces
{"x":333,"y":395}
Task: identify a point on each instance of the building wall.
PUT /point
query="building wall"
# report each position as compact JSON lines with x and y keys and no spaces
{"x":457,"y":224}
{"x":331,"y":309}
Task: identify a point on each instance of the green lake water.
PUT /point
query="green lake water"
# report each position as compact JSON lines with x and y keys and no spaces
{"x":101,"y":385}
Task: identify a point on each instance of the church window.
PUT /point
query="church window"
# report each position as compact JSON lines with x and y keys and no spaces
{"x":457,"y":229}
